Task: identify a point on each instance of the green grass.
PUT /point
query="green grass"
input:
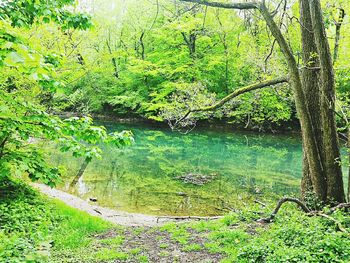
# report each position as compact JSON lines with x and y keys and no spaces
{"x":163,"y":246}
{"x":114,"y":241}
{"x":31,"y":226}
{"x":293,"y":237}
{"x":75,"y":227}
{"x":178,"y":232}
{"x":35,"y":229}
{"x":142,"y":259}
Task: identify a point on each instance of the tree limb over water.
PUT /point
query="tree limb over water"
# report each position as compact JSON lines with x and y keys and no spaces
{"x":240,"y":6}
{"x":236,"y":93}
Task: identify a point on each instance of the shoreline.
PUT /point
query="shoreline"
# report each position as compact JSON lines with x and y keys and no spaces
{"x":114,"y":216}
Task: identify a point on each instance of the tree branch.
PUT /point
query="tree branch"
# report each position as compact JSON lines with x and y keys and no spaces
{"x":243,"y":90}
{"x":278,"y":206}
{"x":240,"y":6}
{"x":236,"y":93}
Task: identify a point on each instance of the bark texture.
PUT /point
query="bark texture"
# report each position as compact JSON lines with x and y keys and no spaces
{"x":310,"y":77}
{"x":331,"y":152}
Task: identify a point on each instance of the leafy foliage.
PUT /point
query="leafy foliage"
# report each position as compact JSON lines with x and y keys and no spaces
{"x":29,"y":75}
{"x":31,"y":227}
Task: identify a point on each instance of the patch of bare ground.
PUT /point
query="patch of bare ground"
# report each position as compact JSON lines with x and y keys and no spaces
{"x":160,"y":246}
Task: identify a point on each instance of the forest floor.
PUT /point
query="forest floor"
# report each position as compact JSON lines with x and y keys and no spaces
{"x":35,"y":228}
{"x":141,"y":237}
{"x":152,"y":244}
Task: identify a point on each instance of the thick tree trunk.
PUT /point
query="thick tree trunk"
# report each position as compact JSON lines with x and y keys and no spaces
{"x":308,"y":131}
{"x":310,"y":77}
{"x":306,"y":183}
{"x":331,"y":152}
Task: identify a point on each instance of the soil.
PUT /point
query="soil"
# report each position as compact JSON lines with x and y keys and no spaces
{"x":158,"y":246}
{"x":140,"y":233}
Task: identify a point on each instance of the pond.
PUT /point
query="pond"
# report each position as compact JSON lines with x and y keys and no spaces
{"x":205,"y":172}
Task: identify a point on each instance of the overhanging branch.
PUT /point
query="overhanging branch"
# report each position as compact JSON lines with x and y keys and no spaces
{"x":240,"y":6}
{"x":236,"y":93}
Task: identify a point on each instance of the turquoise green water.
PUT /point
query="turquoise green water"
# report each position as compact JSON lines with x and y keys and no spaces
{"x":143,"y":177}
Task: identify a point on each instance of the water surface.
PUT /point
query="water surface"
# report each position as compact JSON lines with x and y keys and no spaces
{"x":144,"y":177}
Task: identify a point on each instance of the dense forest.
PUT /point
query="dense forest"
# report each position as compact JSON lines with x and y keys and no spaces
{"x":168,"y":130}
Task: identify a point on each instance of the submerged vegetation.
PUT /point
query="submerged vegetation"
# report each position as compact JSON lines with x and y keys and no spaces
{"x":160,"y":173}
{"x":276,"y":66}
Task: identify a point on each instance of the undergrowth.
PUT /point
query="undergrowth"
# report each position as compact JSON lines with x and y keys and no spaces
{"x":35,"y":229}
{"x":31,"y":226}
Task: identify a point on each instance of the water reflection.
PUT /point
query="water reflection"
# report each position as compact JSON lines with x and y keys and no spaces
{"x":142,"y":178}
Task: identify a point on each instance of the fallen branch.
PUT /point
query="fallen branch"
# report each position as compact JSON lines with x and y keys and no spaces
{"x":260,"y":203}
{"x":339,"y":225}
{"x":240,"y":6}
{"x":278,"y":206}
{"x":308,"y":211}
{"x":340,"y":206}
{"x":189,"y":217}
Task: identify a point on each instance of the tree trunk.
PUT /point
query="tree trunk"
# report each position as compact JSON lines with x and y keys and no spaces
{"x":310,"y":76}
{"x":190,"y":42}
{"x":331,"y":151}
{"x":142,"y":45}
{"x":308,"y":132}
{"x":306,"y":183}
{"x":114,"y":61}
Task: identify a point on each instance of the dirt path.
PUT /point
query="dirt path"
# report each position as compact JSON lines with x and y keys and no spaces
{"x":136,"y":238}
{"x":114,"y":216}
